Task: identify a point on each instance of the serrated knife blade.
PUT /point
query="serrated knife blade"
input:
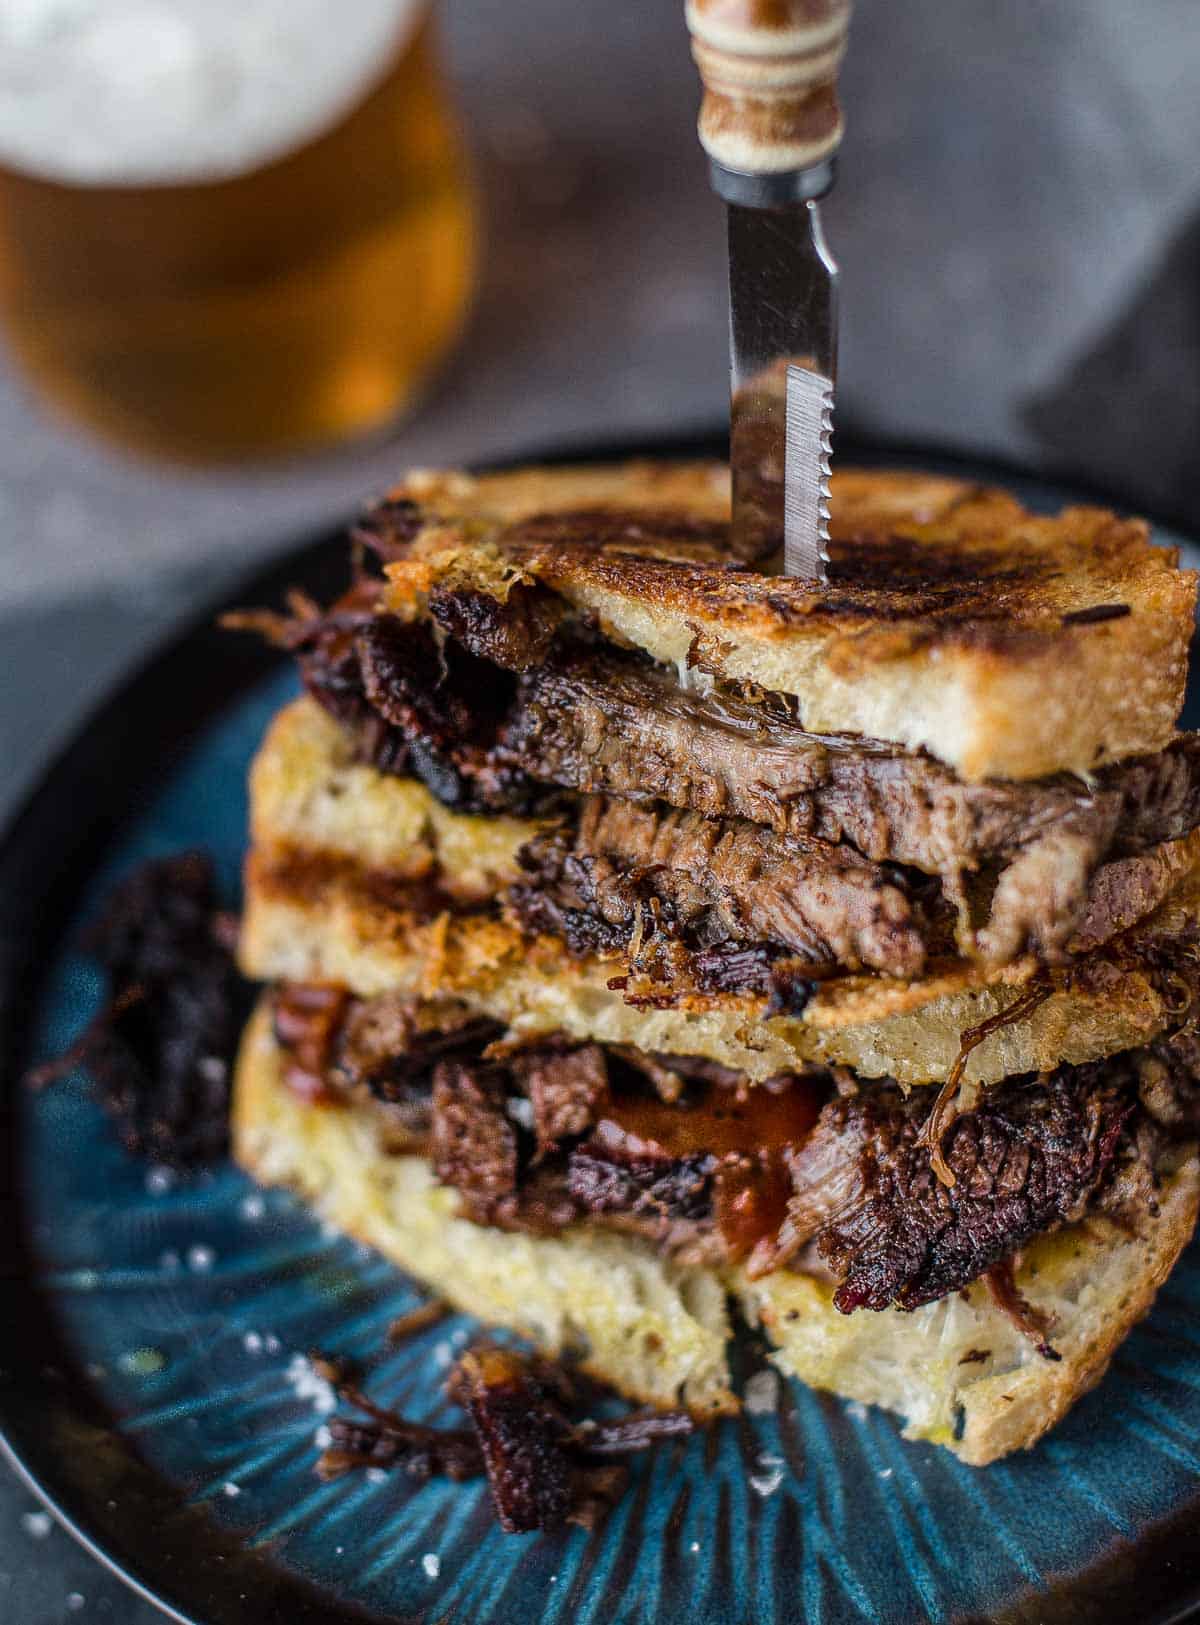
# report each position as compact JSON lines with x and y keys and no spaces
{"x":807,"y":472}
{"x":783,"y":365}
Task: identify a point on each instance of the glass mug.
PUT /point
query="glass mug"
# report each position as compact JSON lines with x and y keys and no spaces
{"x":229,"y":227}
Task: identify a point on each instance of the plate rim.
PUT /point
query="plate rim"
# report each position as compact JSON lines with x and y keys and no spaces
{"x":44,"y":908}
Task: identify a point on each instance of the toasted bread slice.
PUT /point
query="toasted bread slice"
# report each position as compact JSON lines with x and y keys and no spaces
{"x":655,"y":1330}
{"x":311,"y":916}
{"x":658,"y":1332}
{"x":312,"y":801}
{"x":308,"y":792}
{"x":1010,"y":646}
{"x":957,"y":1370}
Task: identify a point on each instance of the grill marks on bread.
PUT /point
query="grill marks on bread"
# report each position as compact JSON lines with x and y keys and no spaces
{"x":1008,"y":644}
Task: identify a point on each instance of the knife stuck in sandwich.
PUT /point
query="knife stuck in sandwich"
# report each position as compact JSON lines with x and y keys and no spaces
{"x":771,"y":125}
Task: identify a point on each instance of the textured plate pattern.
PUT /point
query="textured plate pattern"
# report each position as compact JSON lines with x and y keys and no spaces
{"x":190,"y":1300}
{"x":187,"y":1303}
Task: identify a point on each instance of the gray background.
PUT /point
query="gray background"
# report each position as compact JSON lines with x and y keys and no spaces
{"x":1021,"y":270}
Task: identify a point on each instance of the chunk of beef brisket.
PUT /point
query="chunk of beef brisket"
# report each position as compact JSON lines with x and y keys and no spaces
{"x":518,"y":1408}
{"x":722,"y":883}
{"x":1024,"y":1161}
{"x":544,"y":1467}
{"x":390,"y":527}
{"x":663,"y":1191}
{"x":385,"y":1048}
{"x":378,"y":1053}
{"x":565,"y":1085}
{"x":545,"y":1464}
{"x":677,"y":1151}
{"x":160,"y":1052}
{"x":308,"y":1019}
{"x":474,"y":1143}
{"x":515,"y":635}
{"x":448,"y":706}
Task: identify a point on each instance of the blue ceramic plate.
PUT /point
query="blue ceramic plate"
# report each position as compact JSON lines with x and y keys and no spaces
{"x":149,"y":1384}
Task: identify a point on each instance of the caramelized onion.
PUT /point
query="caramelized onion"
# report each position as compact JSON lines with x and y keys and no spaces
{"x":940,"y":1119}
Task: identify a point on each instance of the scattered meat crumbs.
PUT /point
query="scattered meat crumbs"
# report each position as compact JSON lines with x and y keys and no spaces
{"x":545,"y":1467}
{"x":160,"y":1052}
{"x":417,"y":1320}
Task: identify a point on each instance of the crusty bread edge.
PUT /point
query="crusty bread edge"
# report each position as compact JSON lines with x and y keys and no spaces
{"x":654,"y":1330}
{"x":987,"y":712}
{"x":1096,"y":1281}
{"x":1001,"y":1410}
{"x":308,"y":792}
{"x":1006,"y":1415}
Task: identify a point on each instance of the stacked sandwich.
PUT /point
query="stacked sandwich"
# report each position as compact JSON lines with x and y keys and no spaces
{"x":654,"y":940}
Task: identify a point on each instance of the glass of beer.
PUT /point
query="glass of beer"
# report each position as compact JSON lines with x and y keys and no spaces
{"x":229,"y":227}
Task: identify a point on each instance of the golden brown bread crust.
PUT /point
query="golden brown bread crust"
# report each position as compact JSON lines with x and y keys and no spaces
{"x":1095,"y":1281}
{"x":1009,"y":645}
{"x":653,"y":1329}
{"x":657,"y":1332}
{"x":308,"y":792}
{"x":310,"y":917}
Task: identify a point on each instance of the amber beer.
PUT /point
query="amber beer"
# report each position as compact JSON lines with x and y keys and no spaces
{"x":202,"y":288}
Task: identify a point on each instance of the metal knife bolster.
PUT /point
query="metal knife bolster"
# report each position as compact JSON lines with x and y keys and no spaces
{"x":783,"y":356}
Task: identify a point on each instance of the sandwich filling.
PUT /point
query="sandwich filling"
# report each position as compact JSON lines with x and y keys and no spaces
{"x":817,"y":1171}
{"x":647,"y":945}
{"x":699,"y":821}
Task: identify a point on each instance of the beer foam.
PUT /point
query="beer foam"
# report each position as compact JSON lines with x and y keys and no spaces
{"x":155,"y":92}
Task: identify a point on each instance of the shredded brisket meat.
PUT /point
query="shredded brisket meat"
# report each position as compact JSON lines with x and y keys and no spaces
{"x":516,"y":635}
{"x":628,"y":868}
{"x":309,"y":1016}
{"x":518,"y":1408}
{"x":386,"y":1440}
{"x":389,"y":529}
{"x":661,"y":1190}
{"x":413,"y":703}
{"x":1033,"y":1324}
{"x":512,"y":704}
{"x":379,"y":1054}
{"x":384,"y":1049}
{"x":566,"y":1086}
{"x":160,"y":1052}
{"x":683,"y":1154}
{"x":448,"y":706}
{"x":615,"y":724}
{"x":545,"y":1465}
{"x":1025,"y":1160}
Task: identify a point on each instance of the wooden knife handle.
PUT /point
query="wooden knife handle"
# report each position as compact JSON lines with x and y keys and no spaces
{"x":770,"y":80}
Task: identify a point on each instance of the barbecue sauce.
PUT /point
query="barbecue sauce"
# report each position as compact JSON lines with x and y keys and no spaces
{"x":747,"y":1132}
